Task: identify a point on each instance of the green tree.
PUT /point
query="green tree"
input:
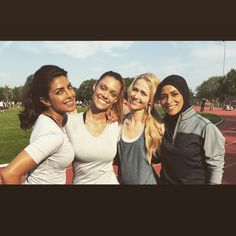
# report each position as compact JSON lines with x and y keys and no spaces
{"x":1,"y":93}
{"x":210,"y":88}
{"x":227,"y":86}
{"x":231,"y":82}
{"x":85,"y":90}
{"x":128,"y":82}
{"x":17,"y":94}
{"x":8,"y":95}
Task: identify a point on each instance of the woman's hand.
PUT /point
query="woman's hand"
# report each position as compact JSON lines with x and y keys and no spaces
{"x":17,"y":168}
{"x":111,"y":116}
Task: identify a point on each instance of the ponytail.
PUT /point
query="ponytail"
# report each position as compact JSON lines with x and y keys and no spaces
{"x":32,"y":106}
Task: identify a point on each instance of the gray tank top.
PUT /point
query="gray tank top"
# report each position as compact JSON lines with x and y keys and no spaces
{"x":133,"y":163}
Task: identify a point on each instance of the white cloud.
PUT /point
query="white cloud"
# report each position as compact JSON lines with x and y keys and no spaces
{"x":84,"y":49}
{"x":133,"y":68}
{"x":4,"y":45}
{"x":210,"y":52}
{"x":30,"y":47}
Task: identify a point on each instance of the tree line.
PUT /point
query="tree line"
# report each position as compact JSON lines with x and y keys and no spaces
{"x":220,"y":88}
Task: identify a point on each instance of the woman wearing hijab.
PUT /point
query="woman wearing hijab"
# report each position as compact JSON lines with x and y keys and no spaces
{"x":192,"y":150}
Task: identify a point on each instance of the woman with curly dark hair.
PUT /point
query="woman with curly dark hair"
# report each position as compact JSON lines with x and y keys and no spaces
{"x":46,"y":100}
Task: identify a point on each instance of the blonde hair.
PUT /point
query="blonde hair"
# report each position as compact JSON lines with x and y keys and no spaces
{"x":154,"y":125}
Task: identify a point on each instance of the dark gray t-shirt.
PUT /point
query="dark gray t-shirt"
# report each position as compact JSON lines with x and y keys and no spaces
{"x":133,"y":163}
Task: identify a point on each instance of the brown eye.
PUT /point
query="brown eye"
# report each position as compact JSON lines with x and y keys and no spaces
{"x":58,"y":92}
{"x":162,"y":97}
{"x":114,"y":95}
{"x":143,"y":93}
{"x":175,"y":94}
{"x":102,"y":87}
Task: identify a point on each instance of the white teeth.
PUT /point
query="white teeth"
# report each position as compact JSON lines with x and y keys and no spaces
{"x":135,"y":101}
{"x":70,"y":102}
{"x":171,"y":107}
{"x":102,"y":101}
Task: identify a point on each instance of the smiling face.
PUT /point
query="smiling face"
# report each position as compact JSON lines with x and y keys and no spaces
{"x":171,"y":100}
{"x":139,"y":95}
{"x":61,"y":96}
{"x":106,"y":93}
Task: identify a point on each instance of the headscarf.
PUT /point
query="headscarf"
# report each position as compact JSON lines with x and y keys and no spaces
{"x":179,"y":83}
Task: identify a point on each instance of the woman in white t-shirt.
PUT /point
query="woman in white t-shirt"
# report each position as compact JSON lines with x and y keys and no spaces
{"x":47,"y":97}
{"x":95,"y":140}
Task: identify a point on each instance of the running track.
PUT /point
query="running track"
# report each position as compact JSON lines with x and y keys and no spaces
{"x":228,"y":128}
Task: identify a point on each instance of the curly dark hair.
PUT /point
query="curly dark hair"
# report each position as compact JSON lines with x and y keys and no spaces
{"x":34,"y":88}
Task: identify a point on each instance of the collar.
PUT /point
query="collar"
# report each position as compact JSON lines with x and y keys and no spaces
{"x":187,"y":114}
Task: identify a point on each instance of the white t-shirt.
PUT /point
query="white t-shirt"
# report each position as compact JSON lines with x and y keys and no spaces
{"x":94,"y":156}
{"x":51,"y":149}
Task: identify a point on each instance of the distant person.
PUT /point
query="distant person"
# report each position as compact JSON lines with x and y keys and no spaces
{"x":94,"y":139}
{"x":203,"y":102}
{"x":46,"y":101}
{"x":228,"y":108}
{"x":212,"y":105}
{"x":2,"y":106}
{"x":141,"y":134}
{"x":193,"y":148}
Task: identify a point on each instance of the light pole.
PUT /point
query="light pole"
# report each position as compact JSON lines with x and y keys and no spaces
{"x":224,"y":79}
{"x":224,"y":58}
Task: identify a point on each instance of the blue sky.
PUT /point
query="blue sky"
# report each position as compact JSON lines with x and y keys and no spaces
{"x":196,"y":61}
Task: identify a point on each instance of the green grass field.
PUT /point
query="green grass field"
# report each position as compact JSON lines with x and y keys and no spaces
{"x":212,"y":117}
{"x":13,"y":139}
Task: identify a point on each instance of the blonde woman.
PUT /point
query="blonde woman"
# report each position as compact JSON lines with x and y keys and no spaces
{"x":141,"y":133}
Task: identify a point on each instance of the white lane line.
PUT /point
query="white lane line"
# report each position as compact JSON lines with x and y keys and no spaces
{"x":4,"y":165}
{"x":229,"y":131}
{"x":230,"y":143}
{"x":230,"y":165}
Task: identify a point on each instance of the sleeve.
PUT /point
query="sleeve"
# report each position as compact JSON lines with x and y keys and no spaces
{"x":44,"y":146}
{"x":214,"y":147}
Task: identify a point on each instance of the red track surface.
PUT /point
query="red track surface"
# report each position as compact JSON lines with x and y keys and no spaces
{"x":228,"y":128}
